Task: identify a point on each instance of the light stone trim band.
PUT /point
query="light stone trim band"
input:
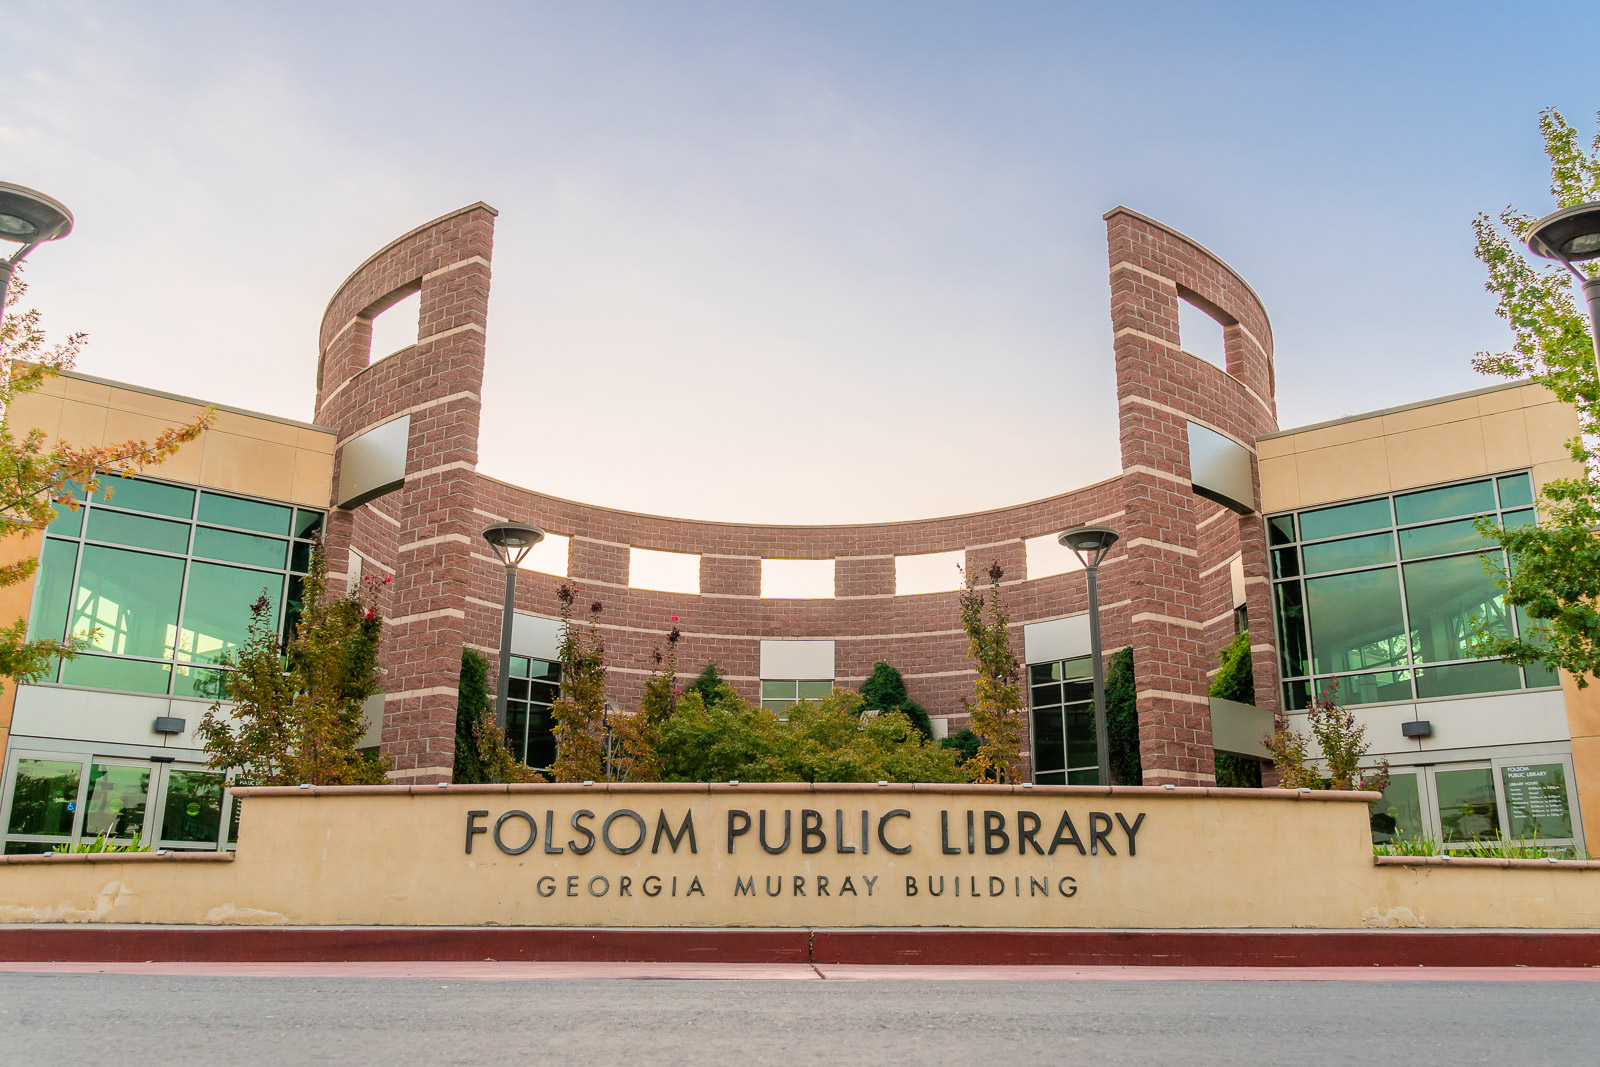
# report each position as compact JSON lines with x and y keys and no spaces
{"x":1125,"y":265}
{"x":462,"y":539}
{"x":431,"y":691}
{"x":1218,"y":566}
{"x":1182,"y":698}
{"x":1170,"y":620}
{"x":1170,"y":410}
{"x":423,"y":616}
{"x":457,"y":265}
{"x":1163,"y":546}
{"x":1140,"y":468}
{"x":429,"y":472}
{"x":470,"y":327}
{"x":412,"y":410}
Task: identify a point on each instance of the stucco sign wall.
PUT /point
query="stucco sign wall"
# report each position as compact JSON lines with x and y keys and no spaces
{"x":796,"y":856}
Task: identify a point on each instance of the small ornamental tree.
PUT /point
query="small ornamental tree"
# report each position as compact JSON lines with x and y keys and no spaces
{"x":36,"y":477}
{"x":1122,"y":720}
{"x":580,"y":711}
{"x":1554,"y":573}
{"x":997,"y":708}
{"x":885,"y":690}
{"x":1341,"y":744}
{"x":636,"y":756}
{"x":474,"y":704}
{"x":297,"y":711}
{"x":708,"y":683}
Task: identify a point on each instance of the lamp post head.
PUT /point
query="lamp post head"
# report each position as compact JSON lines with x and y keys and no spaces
{"x":1089,"y":543}
{"x":1571,"y":235}
{"x":512,"y":541}
{"x":28,"y":217}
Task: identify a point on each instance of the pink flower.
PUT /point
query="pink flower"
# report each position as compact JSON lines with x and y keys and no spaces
{"x":371,"y":614}
{"x":387,"y":580}
{"x":674,"y":618}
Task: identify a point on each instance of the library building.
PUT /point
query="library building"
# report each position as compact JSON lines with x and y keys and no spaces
{"x":1348,"y":550}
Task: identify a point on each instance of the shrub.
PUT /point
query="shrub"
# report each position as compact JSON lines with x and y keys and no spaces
{"x":1122,"y":719}
{"x":1342,"y":743}
{"x":474,"y":705}
{"x":708,"y":683}
{"x":1235,"y":680}
{"x":885,"y":690}
{"x":964,"y":743}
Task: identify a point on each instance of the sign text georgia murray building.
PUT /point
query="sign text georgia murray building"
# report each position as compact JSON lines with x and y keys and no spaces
{"x":799,"y":856}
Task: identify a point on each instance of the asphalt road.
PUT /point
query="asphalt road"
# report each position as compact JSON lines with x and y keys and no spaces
{"x":108,"y":1019}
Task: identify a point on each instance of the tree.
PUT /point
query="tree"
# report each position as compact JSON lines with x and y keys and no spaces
{"x":1341,"y":742}
{"x":637,"y":755}
{"x":708,"y":683}
{"x":827,"y":740}
{"x":997,"y":711}
{"x":474,"y":704}
{"x":885,"y":690}
{"x":1235,"y":679}
{"x":1122,"y":720}
{"x":964,"y":743}
{"x":1554,"y":568}
{"x":36,"y":480}
{"x":297,"y":710}
{"x":581,"y":726}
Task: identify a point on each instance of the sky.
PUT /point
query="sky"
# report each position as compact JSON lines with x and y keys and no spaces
{"x":800,"y":263}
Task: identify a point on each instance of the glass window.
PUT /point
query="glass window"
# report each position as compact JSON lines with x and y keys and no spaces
{"x":68,"y":521}
{"x":137,"y":531}
{"x":1049,"y":745}
{"x":193,"y":811}
{"x":307,"y":523}
{"x":1467,"y":809}
{"x":815,"y":690}
{"x":1345,"y":519}
{"x":1062,"y":722}
{"x":1377,"y":688}
{"x":1356,"y":621}
{"x":1399,"y":814}
{"x":152,"y":498}
{"x":1286,"y":563}
{"x":1464,"y":679}
{"x":126,"y":603}
{"x":245,"y":514}
{"x":206,"y":683}
{"x":52,"y":589}
{"x":1473,"y":498}
{"x":45,"y":798}
{"x":300,"y":556}
{"x":1516,"y":491}
{"x":1348,"y":554}
{"x":529,"y":724}
{"x":1443,"y":597}
{"x":113,"y":672}
{"x":216,"y":612}
{"x":115,"y":807}
{"x":1445,"y":537}
{"x":1512,"y":519}
{"x":240,"y":548}
{"x":1292,"y":648}
{"x":1536,"y":801}
{"x":1280,"y":529}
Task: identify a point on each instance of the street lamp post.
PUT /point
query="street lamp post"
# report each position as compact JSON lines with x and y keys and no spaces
{"x":27,"y":218}
{"x":511,"y":542}
{"x":1090,"y":544}
{"x":1572,"y":235}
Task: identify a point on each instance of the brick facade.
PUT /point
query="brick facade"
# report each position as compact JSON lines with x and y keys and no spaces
{"x":1166,"y":589}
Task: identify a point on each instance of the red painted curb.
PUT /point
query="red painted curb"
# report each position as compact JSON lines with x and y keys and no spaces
{"x":1075,"y":948}
{"x":86,"y":944}
{"x":1212,"y":948}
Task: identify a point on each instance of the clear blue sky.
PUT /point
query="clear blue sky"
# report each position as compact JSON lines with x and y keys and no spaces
{"x":808,"y":262}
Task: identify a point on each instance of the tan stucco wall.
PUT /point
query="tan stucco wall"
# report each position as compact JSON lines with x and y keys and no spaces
{"x":1498,"y":429}
{"x":241,"y":453}
{"x":15,"y":603}
{"x":1202,"y":859}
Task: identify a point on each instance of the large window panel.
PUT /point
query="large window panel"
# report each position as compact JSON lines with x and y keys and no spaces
{"x":1345,"y":519}
{"x":113,"y":672}
{"x":193,"y":811}
{"x":245,"y":514}
{"x":116,"y":801}
{"x":44,"y":799}
{"x":1349,"y":553}
{"x":1448,"y":502}
{"x":1444,"y":596}
{"x":216,"y":612}
{"x":1536,"y":801}
{"x":138,"y":531}
{"x":1467,"y":807}
{"x":1464,"y":679}
{"x":52,"y":589}
{"x":1293,"y":651}
{"x":126,"y":603}
{"x":152,"y":498}
{"x":1356,"y":621}
{"x":1398,"y":815}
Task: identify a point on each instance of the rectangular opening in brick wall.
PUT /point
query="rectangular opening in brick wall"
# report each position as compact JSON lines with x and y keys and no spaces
{"x":1200,"y":335}
{"x":396,"y":327}
{"x":797,"y":579}
{"x":1047,"y":556}
{"x":549,"y":556}
{"x":665,"y":572}
{"x":928,"y":572}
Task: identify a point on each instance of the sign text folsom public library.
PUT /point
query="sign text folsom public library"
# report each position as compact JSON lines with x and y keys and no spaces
{"x":806,"y":832}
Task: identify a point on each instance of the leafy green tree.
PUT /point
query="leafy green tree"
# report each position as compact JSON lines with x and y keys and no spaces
{"x":297,"y":711}
{"x":1340,"y":746}
{"x":997,"y":711}
{"x":1554,"y":575}
{"x":1235,"y":680}
{"x":1122,"y":719}
{"x":964,"y":743}
{"x":581,"y":721}
{"x":36,"y":480}
{"x":827,"y":740}
{"x":474,"y":704}
{"x":885,"y":690}
{"x":708,"y":683}
{"x":637,"y":751}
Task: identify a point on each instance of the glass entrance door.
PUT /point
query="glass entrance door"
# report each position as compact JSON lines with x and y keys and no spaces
{"x":51,"y":799}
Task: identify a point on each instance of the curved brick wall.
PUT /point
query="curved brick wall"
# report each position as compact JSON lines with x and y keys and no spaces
{"x":1166,"y":590}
